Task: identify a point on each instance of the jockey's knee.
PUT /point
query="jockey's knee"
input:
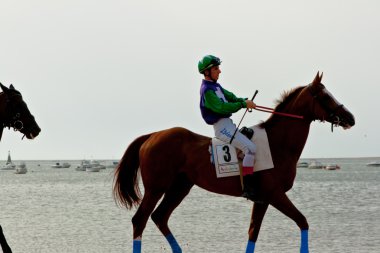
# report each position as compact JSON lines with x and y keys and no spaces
{"x":250,"y":149}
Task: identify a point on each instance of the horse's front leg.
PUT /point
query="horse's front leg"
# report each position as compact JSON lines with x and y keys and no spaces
{"x":4,"y":245}
{"x":280,"y":201}
{"x":258,"y":212}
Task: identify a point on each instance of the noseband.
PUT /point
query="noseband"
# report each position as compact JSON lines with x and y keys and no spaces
{"x":335,"y":120}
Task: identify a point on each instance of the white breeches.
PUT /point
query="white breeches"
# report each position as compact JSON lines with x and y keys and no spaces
{"x":224,"y":129}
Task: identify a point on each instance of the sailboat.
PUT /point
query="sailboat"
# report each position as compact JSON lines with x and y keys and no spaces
{"x":9,"y":165}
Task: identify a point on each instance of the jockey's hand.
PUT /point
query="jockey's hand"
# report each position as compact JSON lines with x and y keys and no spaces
{"x":250,"y":104}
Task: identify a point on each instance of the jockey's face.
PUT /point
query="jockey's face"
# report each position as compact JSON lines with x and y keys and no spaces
{"x":214,"y":72}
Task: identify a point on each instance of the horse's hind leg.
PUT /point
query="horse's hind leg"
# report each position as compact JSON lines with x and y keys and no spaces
{"x":141,"y":217}
{"x":173,"y":197}
{"x":4,"y":245}
{"x":257,"y":217}
{"x":281,"y":202}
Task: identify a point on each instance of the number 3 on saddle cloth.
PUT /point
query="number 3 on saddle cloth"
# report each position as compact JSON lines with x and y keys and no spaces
{"x":227,"y":159}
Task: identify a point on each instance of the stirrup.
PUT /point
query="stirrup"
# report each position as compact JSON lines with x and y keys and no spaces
{"x":249,"y":195}
{"x":251,"y":198}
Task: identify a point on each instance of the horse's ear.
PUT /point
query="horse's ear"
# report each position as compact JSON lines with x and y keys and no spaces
{"x":320,"y":77}
{"x":317,"y":79}
{"x":11,"y":87}
{"x":5,"y":89}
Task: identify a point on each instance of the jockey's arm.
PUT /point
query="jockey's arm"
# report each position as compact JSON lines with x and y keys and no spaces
{"x":214,"y":103}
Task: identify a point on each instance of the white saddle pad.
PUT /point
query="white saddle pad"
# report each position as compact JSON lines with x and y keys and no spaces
{"x":226,"y":161}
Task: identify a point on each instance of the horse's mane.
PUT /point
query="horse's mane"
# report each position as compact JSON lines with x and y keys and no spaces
{"x":14,"y":92}
{"x":281,"y":103}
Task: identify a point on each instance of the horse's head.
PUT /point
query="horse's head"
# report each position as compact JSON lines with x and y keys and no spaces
{"x":16,"y":113}
{"x":326,"y":108}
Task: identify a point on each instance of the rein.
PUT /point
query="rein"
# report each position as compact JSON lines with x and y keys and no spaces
{"x":271,"y":110}
{"x":335,"y":120}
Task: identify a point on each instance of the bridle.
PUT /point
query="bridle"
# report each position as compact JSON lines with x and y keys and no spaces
{"x":316,"y":94}
{"x":12,"y":116}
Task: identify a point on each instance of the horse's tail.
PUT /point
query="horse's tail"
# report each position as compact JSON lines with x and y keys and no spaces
{"x":126,"y":191}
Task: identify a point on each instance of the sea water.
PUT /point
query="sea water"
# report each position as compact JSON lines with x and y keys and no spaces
{"x":63,"y":210}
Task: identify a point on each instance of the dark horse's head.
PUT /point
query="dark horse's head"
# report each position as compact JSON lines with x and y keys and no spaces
{"x":325,"y":107}
{"x":15,"y":113}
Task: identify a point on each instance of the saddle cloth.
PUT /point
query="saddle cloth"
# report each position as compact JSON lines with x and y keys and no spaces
{"x":224,"y":155}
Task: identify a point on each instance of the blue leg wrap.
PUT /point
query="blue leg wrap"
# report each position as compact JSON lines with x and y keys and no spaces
{"x":250,"y":247}
{"x":304,"y":241}
{"x":136,"y":246}
{"x":173,"y":243}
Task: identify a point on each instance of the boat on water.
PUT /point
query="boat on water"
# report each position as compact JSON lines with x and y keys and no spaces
{"x":9,"y":165}
{"x":83,"y":165}
{"x":59,"y":165}
{"x":331,"y":167}
{"x":21,"y":168}
{"x":112,"y":165}
{"x":373,"y":164}
{"x":97,"y":164}
{"x":302,"y":164}
{"x":315,"y":165}
{"x":90,"y":166}
{"x":93,"y":169}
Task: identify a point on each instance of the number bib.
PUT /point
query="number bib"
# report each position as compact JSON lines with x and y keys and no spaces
{"x":223,"y":155}
{"x":225,"y":159}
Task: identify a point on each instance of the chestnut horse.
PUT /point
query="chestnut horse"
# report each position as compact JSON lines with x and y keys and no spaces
{"x":173,"y":160}
{"x":15,"y":113}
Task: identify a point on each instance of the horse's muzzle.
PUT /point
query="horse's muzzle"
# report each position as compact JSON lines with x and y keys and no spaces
{"x":33,"y":132}
{"x":345,"y":119}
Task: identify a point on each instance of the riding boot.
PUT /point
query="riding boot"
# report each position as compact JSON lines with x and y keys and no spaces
{"x":250,"y":188}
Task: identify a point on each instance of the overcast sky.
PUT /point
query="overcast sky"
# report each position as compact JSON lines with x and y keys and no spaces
{"x":98,"y":74}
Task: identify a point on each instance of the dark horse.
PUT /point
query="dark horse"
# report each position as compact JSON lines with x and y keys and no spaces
{"x":15,"y":113}
{"x":173,"y":160}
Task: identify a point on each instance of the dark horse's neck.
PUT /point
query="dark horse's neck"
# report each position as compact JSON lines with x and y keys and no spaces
{"x":287,"y":138}
{"x":2,"y":113}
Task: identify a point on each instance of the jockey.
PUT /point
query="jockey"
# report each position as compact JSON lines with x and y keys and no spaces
{"x":217,"y":105}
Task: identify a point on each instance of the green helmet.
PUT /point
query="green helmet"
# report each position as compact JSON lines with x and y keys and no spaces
{"x":207,"y":62}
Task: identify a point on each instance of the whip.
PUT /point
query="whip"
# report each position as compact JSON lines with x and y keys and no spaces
{"x":237,"y":128}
